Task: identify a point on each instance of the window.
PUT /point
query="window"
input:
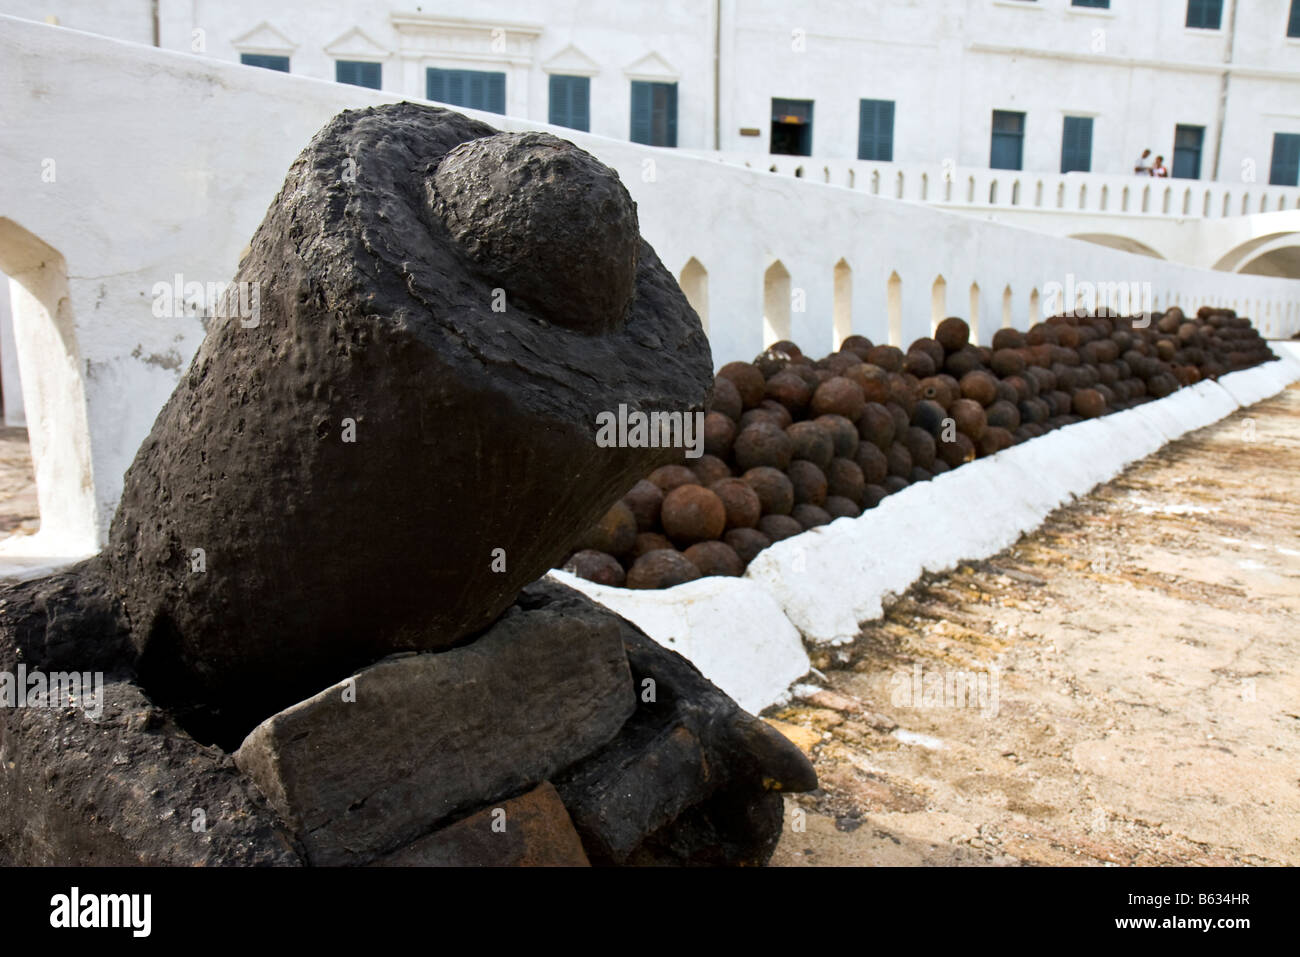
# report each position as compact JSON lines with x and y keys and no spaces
{"x":1293,"y":22}
{"x":876,"y":130}
{"x":266,"y":61}
{"x":1007,"y":149}
{"x":792,"y":127}
{"x":1076,"y":144}
{"x":358,"y":73}
{"x":1187,"y":152}
{"x":654,"y":113}
{"x":473,"y":89}
{"x":1204,"y":14}
{"x":1285,"y":170}
{"x":570,"y":102}
{"x":1099,"y":4}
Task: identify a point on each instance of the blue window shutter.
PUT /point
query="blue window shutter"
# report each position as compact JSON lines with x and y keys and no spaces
{"x":436,"y":85}
{"x":670,"y":105}
{"x":473,"y":89}
{"x":495,"y":93}
{"x":557,"y":104}
{"x":641,"y":103}
{"x":570,"y":102}
{"x":266,"y":61}
{"x":359,"y":73}
{"x":1076,"y":144}
{"x":1204,"y":14}
{"x":876,"y":130}
{"x":580,"y":103}
{"x":1293,"y":22}
{"x":1285,"y":168}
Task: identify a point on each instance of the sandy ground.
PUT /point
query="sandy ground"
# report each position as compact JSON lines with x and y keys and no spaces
{"x":1141,"y":697}
{"x":19,"y":514}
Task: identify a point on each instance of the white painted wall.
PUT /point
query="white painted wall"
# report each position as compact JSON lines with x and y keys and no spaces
{"x":177,"y":174}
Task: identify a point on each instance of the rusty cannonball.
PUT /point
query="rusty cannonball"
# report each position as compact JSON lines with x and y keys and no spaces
{"x":876,"y":425}
{"x":726,"y":399}
{"x":901,"y":416}
{"x":669,"y":477}
{"x":1089,"y":403}
{"x":935,"y":389}
{"x":839,"y":507}
{"x":964,"y":360}
{"x":895,"y":483}
{"x":810,"y":516}
{"x":747,"y":542}
{"x":645,"y":499}
{"x":790,"y":390}
{"x":709,"y":469}
{"x":842,"y":432}
{"x":920,"y":475}
{"x":741,"y":502}
{"x":762,"y":444}
{"x":994,"y":440}
{"x":715,"y":558}
{"x":919,"y":364}
{"x":1003,"y":415}
{"x":595,"y":566}
{"x":838,"y":396}
{"x":1007,"y":362}
{"x":845,"y":479}
{"x":899,"y":459}
{"x":774,"y":490}
{"x":615,"y":533}
{"x":811,"y":442}
{"x":902,"y":391}
{"x":719,"y":433}
{"x":858,"y":345}
{"x":778,"y":527}
{"x":661,"y":569}
{"x":1008,"y":339}
{"x":874,"y":495}
{"x":779,"y":414}
{"x":930,"y":347}
{"x":873,"y":380}
{"x":808,"y":481}
{"x":969,"y":418}
{"x":872,"y":462}
{"x":649,"y":542}
{"x":929,"y":415}
{"x":758,"y":414}
{"x":960,"y":449}
{"x":889,"y":358}
{"x":748,"y":381}
{"x":953,"y":333}
{"x":692,"y":513}
{"x":920,"y":445}
{"x":979,"y":386}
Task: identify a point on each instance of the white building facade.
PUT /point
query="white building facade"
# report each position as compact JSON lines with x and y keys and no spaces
{"x":1047,"y":86}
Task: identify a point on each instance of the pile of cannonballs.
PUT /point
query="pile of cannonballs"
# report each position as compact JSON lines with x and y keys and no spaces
{"x":792,"y":443}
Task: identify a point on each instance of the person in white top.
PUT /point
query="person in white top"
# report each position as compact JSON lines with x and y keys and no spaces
{"x":1143,"y":165}
{"x":1160,"y":169}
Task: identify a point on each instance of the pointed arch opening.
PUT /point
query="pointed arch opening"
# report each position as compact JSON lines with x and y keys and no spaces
{"x":776,"y":304}
{"x":694,"y":281}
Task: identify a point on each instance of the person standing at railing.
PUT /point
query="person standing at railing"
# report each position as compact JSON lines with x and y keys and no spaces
{"x":1143,"y":166}
{"x":1160,"y":169}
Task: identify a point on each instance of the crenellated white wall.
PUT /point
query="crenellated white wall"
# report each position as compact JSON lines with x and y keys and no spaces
{"x":165,"y":163}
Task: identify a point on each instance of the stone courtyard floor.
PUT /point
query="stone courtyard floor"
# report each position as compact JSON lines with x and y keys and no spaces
{"x":1140,"y":653}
